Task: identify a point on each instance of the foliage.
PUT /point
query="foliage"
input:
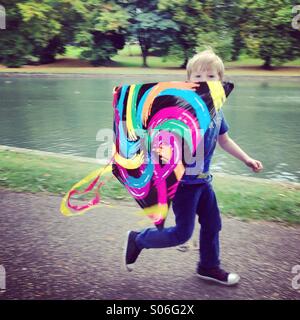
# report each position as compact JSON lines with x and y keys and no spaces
{"x":102,"y":31}
{"x":191,"y":20}
{"x":268,"y":33}
{"x":221,"y":42}
{"x":153,"y":29}
{"x":37,"y":30}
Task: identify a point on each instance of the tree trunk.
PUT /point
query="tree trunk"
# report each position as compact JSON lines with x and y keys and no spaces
{"x":267,"y":64}
{"x":145,"y":54}
{"x":144,"y":48}
{"x":186,"y":59}
{"x":237,"y":46}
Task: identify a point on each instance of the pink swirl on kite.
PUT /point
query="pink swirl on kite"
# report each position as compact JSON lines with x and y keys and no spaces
{"x":179,"y":114}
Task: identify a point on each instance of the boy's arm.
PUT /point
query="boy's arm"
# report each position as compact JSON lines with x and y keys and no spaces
{"x":232,"y":148}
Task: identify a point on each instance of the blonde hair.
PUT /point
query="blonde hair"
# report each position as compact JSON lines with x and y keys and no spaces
{"x":204,"y":60}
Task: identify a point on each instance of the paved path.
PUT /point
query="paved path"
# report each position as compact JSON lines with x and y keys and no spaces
{"x":49,"y":256}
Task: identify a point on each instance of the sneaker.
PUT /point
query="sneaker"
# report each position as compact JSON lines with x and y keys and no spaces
{"x":131,"y":250}
{"x":218,"y":275}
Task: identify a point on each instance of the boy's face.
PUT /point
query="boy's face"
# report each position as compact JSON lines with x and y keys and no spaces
{"x":204,"y":75}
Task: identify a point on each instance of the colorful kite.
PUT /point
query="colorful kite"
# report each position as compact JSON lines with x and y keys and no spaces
{"x":153,"y":123}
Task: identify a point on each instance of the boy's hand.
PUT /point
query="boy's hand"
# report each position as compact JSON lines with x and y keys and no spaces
{"x":165,"y":152}
{"x":255,"y":165}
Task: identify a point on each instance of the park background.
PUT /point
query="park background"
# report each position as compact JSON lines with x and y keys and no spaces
{"x":60,"y":59}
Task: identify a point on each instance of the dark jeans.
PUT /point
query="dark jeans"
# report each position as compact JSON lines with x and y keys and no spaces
{"x":189,"y":200}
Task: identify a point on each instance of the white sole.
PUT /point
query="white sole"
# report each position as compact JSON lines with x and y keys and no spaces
{"x":127,"y":267}
{"x":218,"y":281}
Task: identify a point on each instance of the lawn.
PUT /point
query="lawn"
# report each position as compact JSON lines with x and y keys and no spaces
{"x":128,"y":61}
{"x":130,"y":56}
{"x":237,"y":196}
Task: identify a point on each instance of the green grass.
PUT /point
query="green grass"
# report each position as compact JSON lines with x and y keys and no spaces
{"x":130,"y":56}
{"x":293,"y":63}
{"x":130,"y":50}
{"x":236,"y":195}
{"x":258,"y":200}
{"x":71,"y":52}
{"x":129,"y":62}
{"x":245,"y":62}
{"x":34,"y":173}
{"x":153,"y":62}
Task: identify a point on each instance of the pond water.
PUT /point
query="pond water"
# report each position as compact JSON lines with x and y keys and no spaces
{"x":64,"y":114}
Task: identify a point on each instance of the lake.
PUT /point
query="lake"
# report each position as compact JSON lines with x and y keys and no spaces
{"x":63,"y":115}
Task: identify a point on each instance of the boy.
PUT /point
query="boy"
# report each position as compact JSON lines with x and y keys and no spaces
{"x":195,"y":194}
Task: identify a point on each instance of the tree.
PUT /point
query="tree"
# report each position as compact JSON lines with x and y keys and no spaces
{"x":226,"y":36}
{"x":267,"y":32}
{"x":29,"y":24}
{"x":102,"y":31}
{"x":221,"y":42}
{"x":153,"y":29}
{"x":38,"y":30}
{"x":68,"y":13}
{"x":191,"y":20}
